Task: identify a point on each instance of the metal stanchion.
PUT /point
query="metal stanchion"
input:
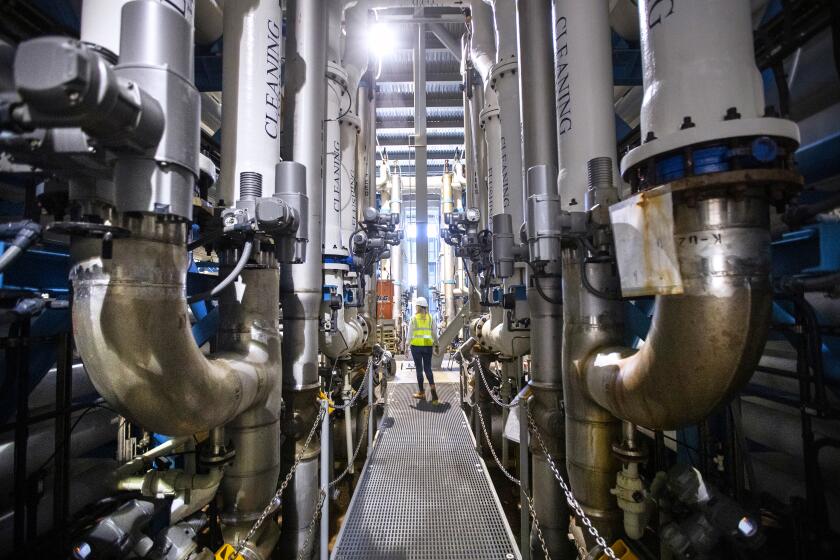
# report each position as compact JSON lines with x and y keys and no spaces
{"x":525,"y":482}
{"x":370,"y":407}
{"x":325,"y":483}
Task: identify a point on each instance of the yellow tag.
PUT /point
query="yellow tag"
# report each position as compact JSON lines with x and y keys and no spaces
{"x":323,"y":396}
{"x":621,"y":551}
{"x":227,"y":553}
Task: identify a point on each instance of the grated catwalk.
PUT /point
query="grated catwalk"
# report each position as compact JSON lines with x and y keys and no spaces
{"x":424,"y":494}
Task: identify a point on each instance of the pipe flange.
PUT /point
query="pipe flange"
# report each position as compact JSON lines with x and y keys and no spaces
{"x":489,"y":113}
{"x":626,"y":454}
{"x":661,"y":142}
{"x":502,"y":69}
{"x":351,"y":120}
{"x":337,"y":74}
{"x":782,"y":183}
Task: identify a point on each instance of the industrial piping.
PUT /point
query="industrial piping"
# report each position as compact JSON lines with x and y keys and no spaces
{"x":300,"y":284}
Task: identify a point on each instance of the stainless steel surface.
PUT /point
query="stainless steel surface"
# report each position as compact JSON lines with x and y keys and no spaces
{"x":156,"y":51}
{"x":590,"y":323}
{"x":300,"y":285}
{"x":404,"y":505}
{"x":303,"y":128}
{"x":704,"y":344}
{"x":133,"y":334}
{"x":536,"y":83}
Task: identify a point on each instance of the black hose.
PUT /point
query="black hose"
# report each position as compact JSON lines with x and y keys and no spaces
{"x":796,"y":285}
{"x":234,"y":274}
{"x":798,"y":215}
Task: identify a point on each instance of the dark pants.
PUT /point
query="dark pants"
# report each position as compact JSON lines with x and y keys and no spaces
{"x":423,"y":362}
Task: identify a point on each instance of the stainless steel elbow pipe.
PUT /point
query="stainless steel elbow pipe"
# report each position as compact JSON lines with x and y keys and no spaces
{"x":704,"y":344}
{"x":133,"y":334}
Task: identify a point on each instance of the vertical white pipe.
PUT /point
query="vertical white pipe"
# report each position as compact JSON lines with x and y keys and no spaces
{"x":253,"y":51}
{"x":337,"y":103}
{"x":677,"y":78}
{"x":101,"y":23}
{"x":396,"y":250}
{"x":584,"y":93}
{"x":493,"y":136}
{"x":350,"y":128}
{"x":504,"y":80}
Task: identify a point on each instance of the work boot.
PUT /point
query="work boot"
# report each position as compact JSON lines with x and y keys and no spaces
{"x":435,"y":399}
{"x":420,"y":395}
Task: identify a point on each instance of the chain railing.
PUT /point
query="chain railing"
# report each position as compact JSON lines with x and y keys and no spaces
{"x":534,"y":429}
{"x":322,"y":495}
{"x":278,"y":496}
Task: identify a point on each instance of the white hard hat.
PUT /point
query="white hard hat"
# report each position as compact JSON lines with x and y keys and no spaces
{"x":421,"y":302}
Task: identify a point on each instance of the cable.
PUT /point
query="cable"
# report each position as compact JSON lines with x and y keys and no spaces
{"x":584,"y":278}
{"x":234,"y":274}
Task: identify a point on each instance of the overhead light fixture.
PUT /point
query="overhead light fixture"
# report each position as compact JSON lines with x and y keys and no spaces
{"x":381,"y":40}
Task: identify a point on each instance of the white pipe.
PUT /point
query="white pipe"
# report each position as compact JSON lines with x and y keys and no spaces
{"x":506,"y":85}
{"x":624,"y":19}
{"x":483,"y":43}
{"x":355,"y":56}
{"x":493,"y":137}
{"x":209,"y":20}
{"x":350,"y":126}
{"x":337,"y":103}
{"x":396,"y":250}
{"x":584,"y":89}
{"x":100,"y":23}
{"x":253,"y":51}
{"x":384,"y":176}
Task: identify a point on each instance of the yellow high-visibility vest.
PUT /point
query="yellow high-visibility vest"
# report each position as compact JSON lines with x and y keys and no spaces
{"x":422,"y":331}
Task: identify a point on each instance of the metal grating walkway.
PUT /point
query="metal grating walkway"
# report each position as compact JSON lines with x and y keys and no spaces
{"x":425,"y":493}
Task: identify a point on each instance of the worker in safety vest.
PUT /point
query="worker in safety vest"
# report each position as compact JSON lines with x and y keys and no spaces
{"x":422,"y":334}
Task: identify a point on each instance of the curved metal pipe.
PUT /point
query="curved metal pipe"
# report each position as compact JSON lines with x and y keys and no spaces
{"x":133,"y":333}
{"x":703,"y":345}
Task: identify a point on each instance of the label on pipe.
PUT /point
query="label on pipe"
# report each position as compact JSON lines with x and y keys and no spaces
{"x":643,"y":229}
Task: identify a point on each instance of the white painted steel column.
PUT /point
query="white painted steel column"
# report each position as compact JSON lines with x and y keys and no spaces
{"x":253,"y":51}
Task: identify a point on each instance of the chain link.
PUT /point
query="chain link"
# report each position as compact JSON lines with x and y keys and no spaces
{"x":355,"y":396}
{"x":570,"y":498}
{"x":322,"y":495}
{"x":517,"y":482}
{"x":277,"y":499}
{"x":493,"y":395}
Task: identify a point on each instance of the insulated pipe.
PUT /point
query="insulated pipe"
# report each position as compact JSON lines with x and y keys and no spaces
{"x":251,"y":96}
{"x":584,"y":93}
{"x":305,"y":96}
{"x":134,"y":335}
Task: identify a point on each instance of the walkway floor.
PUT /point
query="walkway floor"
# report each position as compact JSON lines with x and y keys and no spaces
{"x":425,"y":493}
